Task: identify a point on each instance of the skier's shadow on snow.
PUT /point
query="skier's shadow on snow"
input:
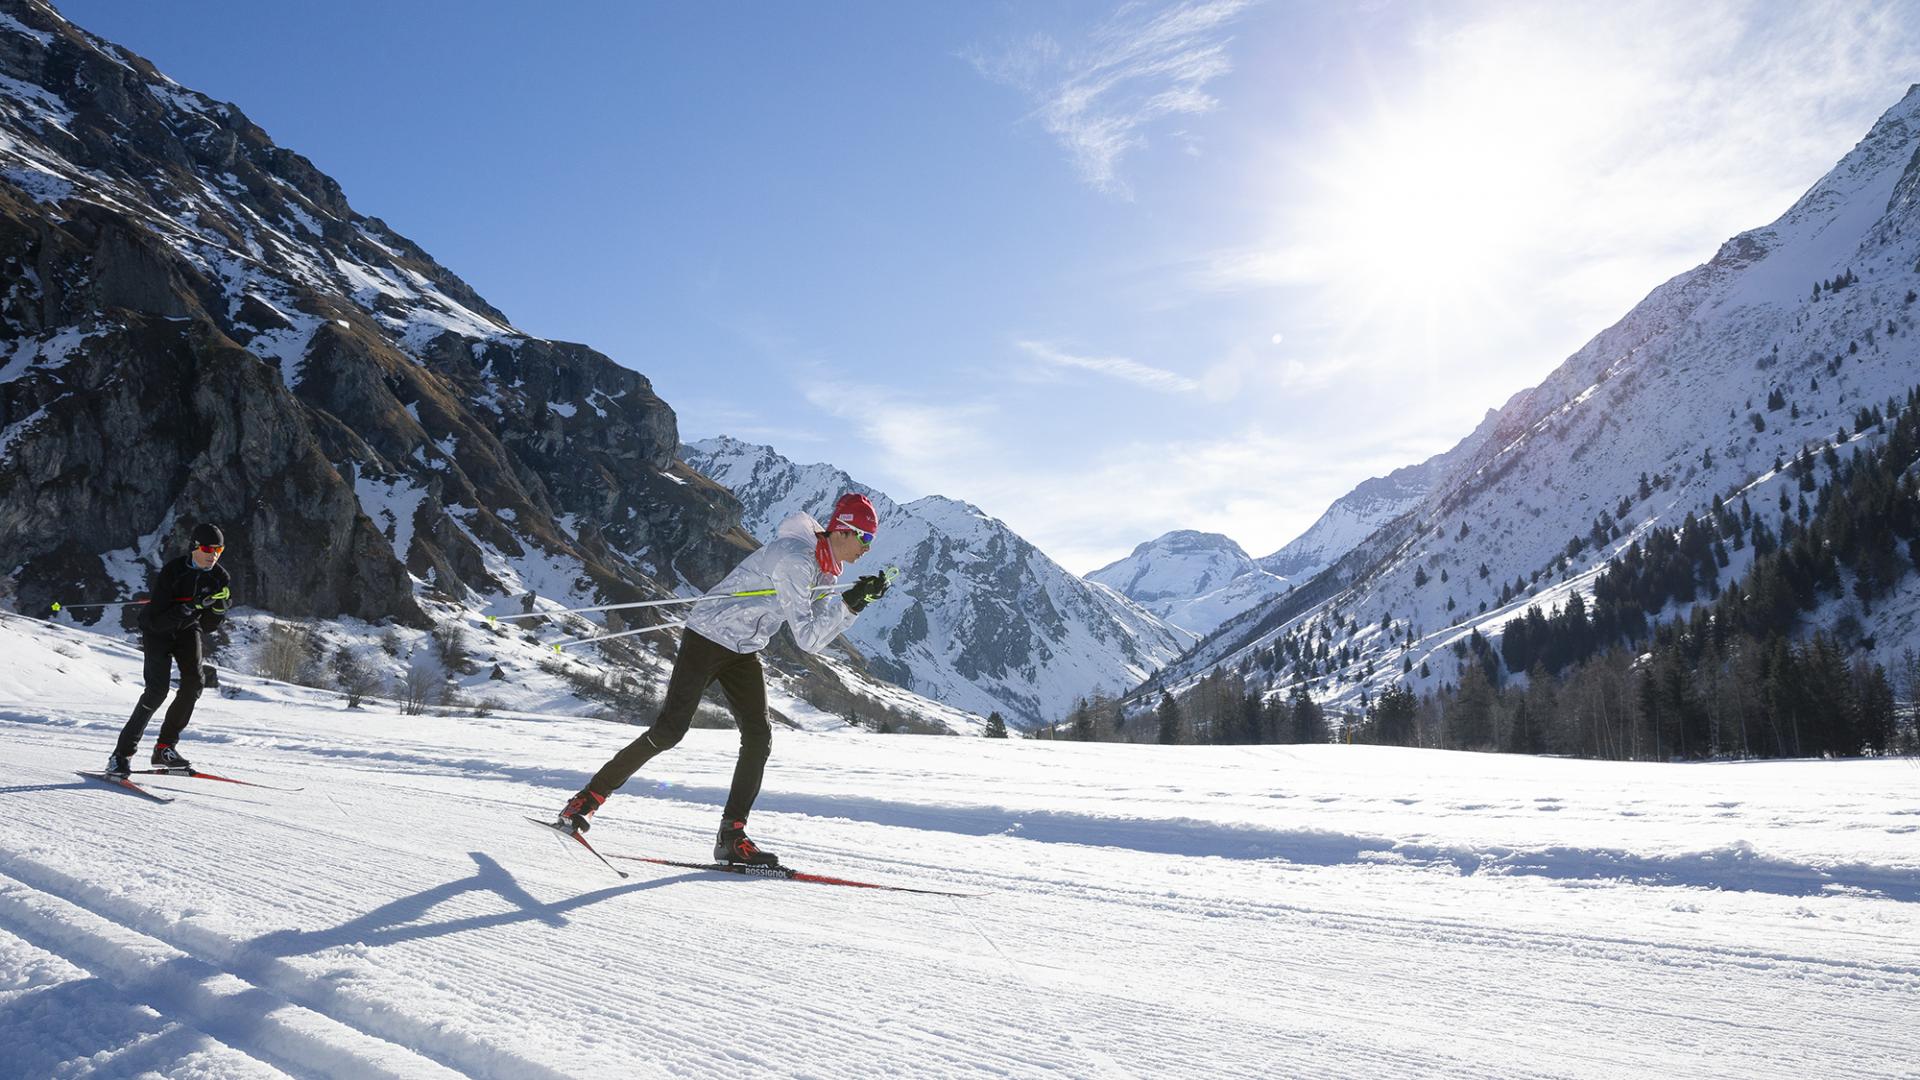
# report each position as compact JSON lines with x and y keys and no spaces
{"x":403,"y":919}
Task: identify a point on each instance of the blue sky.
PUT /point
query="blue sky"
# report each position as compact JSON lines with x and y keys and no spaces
{"x":1103,"y":269}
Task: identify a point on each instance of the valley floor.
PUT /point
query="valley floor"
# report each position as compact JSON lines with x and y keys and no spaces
{"x":1144,"y":911}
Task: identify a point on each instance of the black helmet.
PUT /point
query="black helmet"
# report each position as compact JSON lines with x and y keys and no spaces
{"x":208,"y":534}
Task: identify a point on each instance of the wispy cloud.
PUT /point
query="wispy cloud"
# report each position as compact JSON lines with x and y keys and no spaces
{"x":913,"y":434}
{"x":1144,"y":63}
{"x":1115,"y":367}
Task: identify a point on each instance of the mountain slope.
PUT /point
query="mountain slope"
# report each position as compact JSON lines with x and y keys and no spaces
{"x":981,"y":620}
{"x":1363,"y":511}
{"x":1768,"y":351}
{"x":197,"y":325}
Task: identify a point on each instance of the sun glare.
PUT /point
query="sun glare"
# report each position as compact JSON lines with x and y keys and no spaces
{"x":1430,"y":208}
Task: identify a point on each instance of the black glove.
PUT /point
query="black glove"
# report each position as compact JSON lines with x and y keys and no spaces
{"x":864,"y":591}
{"x":209,"y":676}
{"x":215,"y":602}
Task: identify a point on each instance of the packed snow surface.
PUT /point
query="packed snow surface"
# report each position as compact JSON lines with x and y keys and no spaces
{"x":1142,"y":911}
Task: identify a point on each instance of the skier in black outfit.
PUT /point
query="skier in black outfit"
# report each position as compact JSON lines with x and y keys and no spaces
{"x":189,"y":597}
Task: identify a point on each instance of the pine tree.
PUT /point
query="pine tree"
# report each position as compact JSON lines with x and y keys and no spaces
{"x":996,"y":726}
{"x":1309,"y":723}
{"x":1169,"y":715}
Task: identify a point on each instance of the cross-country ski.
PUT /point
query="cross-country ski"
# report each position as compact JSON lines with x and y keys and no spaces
{"x":784,"y":873}
{"x":202,"y":774}
{"x":125,"y":784}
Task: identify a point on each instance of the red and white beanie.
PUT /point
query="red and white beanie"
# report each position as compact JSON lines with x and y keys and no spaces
{"x":853,"y":513}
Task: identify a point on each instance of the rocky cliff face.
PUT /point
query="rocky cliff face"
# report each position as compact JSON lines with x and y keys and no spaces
{"x":196,"y":325}
{"x":199,"y":326}
{"x":981,"y":619}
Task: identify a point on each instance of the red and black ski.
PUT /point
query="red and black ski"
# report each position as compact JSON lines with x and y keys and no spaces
{"x":578,"y":839}
{"x":126,"y":785}
{"x":786,"y":873}
{"x":199,"y":775}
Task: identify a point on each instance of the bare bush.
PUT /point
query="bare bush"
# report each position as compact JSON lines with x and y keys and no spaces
{"x":354,"y":676}
{"x":289,"y":653}
{"x":450,"y":645}
{"x":422,"y":686}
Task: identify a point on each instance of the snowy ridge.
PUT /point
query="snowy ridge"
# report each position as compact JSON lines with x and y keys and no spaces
{"x":1363,"y":511}
{"x":982,"y":620}
{"x":1423,"y":913}
{"x":1677,"y":391}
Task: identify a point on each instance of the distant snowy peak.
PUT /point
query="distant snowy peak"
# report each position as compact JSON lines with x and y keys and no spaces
{"x":1178,"y":564}
{"x":981,"y":619}
{"x":1193,"y":580}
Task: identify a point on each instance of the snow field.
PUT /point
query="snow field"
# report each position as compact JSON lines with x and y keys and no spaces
{"x":1149,"y":911}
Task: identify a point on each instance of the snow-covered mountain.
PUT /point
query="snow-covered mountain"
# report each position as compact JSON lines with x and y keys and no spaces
{"x":981,"y":620}
{"x":1194,"y":580}
{"x":1770,"y":349}
{"x":197,"y":325}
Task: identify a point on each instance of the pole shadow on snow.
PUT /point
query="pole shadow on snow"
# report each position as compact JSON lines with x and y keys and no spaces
{"x":403,"y":919}
{"x":75,"y":785}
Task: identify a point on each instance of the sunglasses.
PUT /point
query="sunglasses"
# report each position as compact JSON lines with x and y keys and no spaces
{"x":212,"y":549}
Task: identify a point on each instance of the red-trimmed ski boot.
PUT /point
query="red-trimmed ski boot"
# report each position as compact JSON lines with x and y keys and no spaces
{"x":575,"y":816}
{"x":166,"y":757}
{"x":732,"y":846}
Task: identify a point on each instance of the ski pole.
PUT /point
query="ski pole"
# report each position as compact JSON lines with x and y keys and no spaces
{"x":58,"y":607}
{"x":560,"y":645}
{"x":891,"y":573}
{"x":636,"y":604}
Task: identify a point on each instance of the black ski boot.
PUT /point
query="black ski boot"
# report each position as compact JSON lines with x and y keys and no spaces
{"x":574,"y":817}
{"x":732,"y":846}
{"x":117,"y":766}
{"x":166,"y":757}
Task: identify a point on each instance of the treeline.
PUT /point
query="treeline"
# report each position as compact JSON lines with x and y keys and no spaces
{"x":1726,"y":679}
{"x":1226,"y":707}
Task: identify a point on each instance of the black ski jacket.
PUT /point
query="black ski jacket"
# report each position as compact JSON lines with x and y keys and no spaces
{"x":185,"y":597}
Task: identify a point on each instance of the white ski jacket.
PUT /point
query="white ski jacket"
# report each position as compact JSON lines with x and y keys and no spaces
{"x":745,"y":624}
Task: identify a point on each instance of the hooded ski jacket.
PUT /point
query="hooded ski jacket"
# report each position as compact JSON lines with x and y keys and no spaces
{"x":746,"y":623}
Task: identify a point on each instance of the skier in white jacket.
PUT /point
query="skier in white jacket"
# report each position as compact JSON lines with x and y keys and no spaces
{"x":722,"y":643}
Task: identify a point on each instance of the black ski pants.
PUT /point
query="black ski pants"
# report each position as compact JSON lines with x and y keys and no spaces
{"x":700,"y":664}
{"x":163,"y":652}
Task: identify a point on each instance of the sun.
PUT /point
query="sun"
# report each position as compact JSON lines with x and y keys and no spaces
{"x":1432,"y":210}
